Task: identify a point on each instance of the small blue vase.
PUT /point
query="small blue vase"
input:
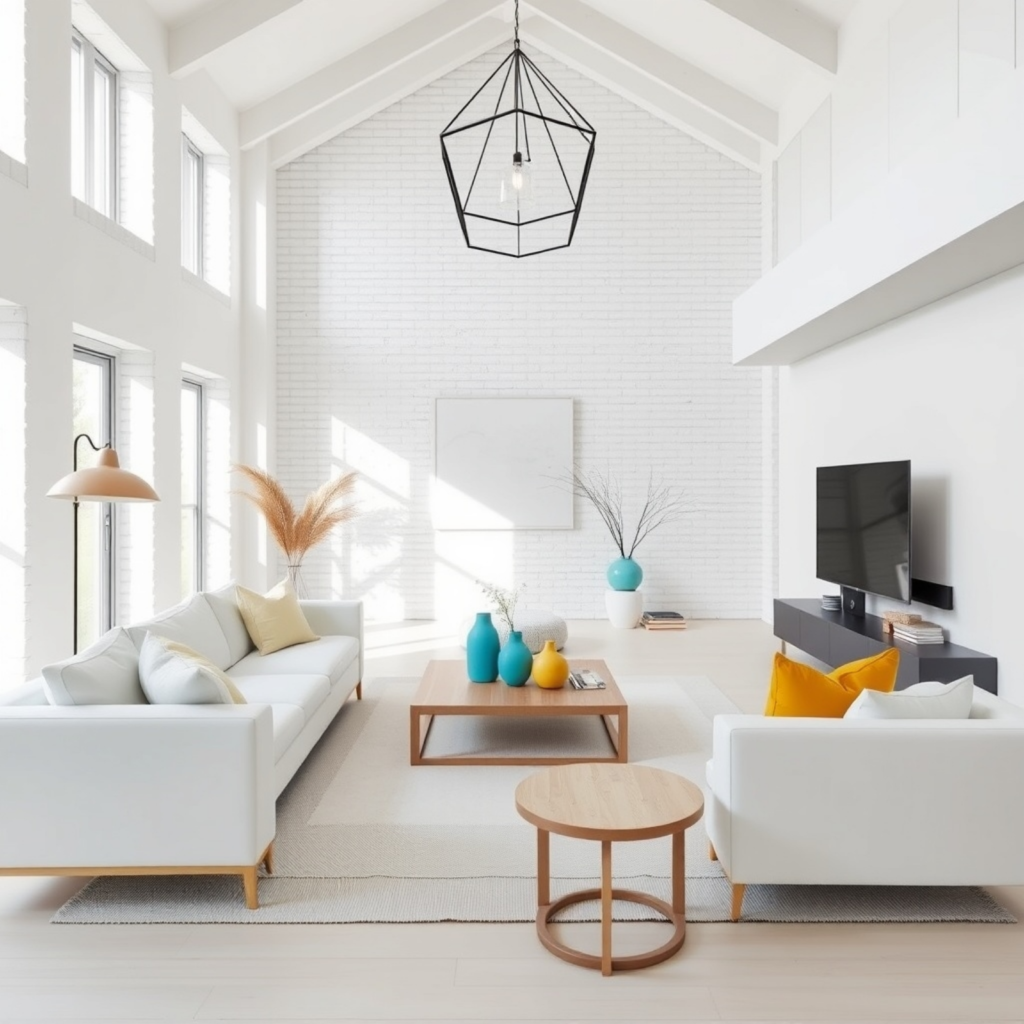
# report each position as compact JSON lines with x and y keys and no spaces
{"x":515,"y":662}
{"x":625,"y":574}
{"x":482,"y":646}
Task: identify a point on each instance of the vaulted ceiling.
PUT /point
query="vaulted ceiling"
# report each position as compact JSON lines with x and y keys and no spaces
{"x":300,"y":71}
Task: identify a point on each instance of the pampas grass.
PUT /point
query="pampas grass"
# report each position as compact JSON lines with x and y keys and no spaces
{"x":297,"y":532}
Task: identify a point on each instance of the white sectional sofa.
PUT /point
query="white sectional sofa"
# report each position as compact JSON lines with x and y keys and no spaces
{"x":115,"y":789}
{"x":807,"y":801}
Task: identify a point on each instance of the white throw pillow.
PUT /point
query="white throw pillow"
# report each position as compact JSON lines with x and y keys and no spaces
{"x":922,"y":700}
{"x":172,"y":673}
{"x":193,"y":623}
{"x":225,"y":607}
{"x":105,"y":673}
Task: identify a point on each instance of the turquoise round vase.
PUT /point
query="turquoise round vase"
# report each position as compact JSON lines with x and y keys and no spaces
{"x":515,"y":662}
{"x":625,"y":574}
{"x":482,"y":647}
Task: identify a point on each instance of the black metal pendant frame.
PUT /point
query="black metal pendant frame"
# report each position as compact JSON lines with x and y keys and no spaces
{"x":523,"y":73}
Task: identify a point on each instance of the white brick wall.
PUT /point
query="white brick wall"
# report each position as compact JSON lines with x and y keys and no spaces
{"x":381,"y":309}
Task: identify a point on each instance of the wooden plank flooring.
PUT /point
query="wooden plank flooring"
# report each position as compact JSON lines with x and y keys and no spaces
{"x":455,"y":972}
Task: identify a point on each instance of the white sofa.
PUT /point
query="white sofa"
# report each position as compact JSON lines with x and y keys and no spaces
{"x":173,"y":789}
{"x":813,"y":801}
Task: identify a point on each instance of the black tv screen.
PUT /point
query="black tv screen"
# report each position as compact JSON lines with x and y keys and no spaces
{"x":864,"y":527}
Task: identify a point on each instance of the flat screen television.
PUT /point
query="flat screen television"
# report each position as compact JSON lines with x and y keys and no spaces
{"x":863,"y":531}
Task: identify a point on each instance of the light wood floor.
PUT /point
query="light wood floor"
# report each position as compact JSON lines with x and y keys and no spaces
{"x":458,"y":972}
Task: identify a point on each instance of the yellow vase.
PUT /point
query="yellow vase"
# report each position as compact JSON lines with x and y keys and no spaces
{"x":550,"y":669}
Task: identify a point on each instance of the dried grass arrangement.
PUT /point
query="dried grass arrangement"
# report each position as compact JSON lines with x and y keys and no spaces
{"x":296,"y":533}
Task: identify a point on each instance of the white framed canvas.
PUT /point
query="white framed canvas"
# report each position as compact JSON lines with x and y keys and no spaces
{"x":503,"y":464}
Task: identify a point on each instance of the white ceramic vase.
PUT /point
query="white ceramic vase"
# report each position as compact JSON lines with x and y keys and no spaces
{"x":624,"y":607}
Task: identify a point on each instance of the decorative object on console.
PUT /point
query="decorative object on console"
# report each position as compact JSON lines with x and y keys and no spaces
{"x":624,"y":607}
{"x":919,"y":632}
{"x":482,"y":649}
{"x":890,"y":617}
{"x":801,"y":691}
{"x":106,"y":481}
{"x":515,"y":662}
{"x":297,"y":532}
{"x":274,"y":620}
{"x":550,"y":669}
{"x":518,"y":193}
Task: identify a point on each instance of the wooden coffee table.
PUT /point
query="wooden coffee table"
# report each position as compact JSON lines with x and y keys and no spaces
{"x":610,"y":803}
{"x":446,"y":690}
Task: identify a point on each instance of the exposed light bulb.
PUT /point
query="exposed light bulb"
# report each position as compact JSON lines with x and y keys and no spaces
{"x":516,"y":185}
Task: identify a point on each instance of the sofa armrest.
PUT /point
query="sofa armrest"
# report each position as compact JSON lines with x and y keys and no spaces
{"x":336,"y":618}
{"x":913,"y":802}
{"x":135,"y":786}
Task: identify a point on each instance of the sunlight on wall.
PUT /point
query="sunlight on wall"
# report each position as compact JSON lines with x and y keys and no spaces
{"x":463,"y":557}
{"x":366,"y":554}
{"x":450,"y":505}
{"x":261,"y":255}
{"x":217,"y":222}
{"x":12,"y":503}
{"x":12,"y":78}
{"x":135,"y":121}
{"x":217,"y":524}
{"x":261,"y":523}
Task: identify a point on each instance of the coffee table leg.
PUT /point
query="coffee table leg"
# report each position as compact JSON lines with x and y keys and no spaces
{"x":414,"y":736}
{"x":606,"y":907}
{"x":543,"y":867}
{"x":679,"y":873}
{"x":623,"y":736}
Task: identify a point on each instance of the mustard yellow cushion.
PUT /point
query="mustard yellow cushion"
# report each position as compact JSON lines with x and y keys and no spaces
{"x":800,"y":691}
{"x":274,"y":620}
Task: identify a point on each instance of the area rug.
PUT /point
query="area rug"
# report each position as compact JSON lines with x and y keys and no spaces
{"x":364,"y":837}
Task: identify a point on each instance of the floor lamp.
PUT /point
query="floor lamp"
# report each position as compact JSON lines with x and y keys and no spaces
{"x":106,"y":481}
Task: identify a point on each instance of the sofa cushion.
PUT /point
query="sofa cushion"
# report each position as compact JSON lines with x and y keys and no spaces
{"x":274,"y":619}
{"x":289,"y":721}
{"x":191,"y":623}
{"x":307,"y":691}
{"x":922,"y":700}
{"x":225,"y":606}
{"x":172,"y":673}
{"x":328,"y":656}
{"x":107,"y":672}
{"x":799,"y":690}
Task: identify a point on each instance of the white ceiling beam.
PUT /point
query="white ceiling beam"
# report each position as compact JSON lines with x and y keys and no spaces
{"x":648,"y":93}
{"x":784,"y":23}
{"x":661,"y":66}
{"x":372,"y":61}
{"x":190,"y":45}
{"x":374,"y":95}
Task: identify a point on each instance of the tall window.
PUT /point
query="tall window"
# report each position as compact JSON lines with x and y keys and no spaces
{"x":192,"y":191}
{"x":94,"y":415}
{"x":191,"y":486}
{"x":93,"y":127}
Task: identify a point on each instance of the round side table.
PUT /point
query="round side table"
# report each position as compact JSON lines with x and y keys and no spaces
{"x":610,"y":803}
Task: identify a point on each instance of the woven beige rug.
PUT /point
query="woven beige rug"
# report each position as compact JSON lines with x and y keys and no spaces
{"x":364,"y":837}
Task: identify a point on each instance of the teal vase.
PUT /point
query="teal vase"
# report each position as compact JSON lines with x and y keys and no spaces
{"x":482,"y":647}
{"x":625,"y":574}
{"x":515,"y":662}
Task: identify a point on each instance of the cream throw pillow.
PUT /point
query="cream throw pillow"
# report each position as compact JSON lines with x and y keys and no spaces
{"x":274,"y":620}
{"x":172,"y":673}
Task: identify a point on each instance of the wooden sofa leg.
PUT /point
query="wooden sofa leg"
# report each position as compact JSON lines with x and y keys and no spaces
{"x":249,"y":880}
{"x":359,"y":690}
{"x":711,"y":852}
{"x":737,"y":900}
{"x":268,"y":859}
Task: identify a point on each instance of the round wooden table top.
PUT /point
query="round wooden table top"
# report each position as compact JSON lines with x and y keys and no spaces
{"x":609,"y":801}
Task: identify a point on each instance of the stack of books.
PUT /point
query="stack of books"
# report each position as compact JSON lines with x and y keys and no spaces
{"x":663,"y":620}
{"x":918,"y":632}
{"x":831,"y":603}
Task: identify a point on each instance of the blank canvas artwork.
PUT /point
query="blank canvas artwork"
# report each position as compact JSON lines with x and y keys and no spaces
{"x":503,"y":464}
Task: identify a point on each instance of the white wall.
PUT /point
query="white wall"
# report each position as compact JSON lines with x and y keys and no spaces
{"x":65,"y":268}
{"x":943,"y":388}
{"x":381,"y":309}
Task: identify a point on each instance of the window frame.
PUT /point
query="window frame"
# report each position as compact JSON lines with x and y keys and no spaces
{"x":108,"y":411}
{"x":91,"y":60}
{"x":199,"y":508}
{"x":191,"y":152}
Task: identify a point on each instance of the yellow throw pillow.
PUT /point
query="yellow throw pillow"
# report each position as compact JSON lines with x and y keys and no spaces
{"x":274,"y":620}
{"x":800,"y":691}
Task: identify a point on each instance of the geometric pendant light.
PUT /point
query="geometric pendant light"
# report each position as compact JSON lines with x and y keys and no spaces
{"x":517,"y":157}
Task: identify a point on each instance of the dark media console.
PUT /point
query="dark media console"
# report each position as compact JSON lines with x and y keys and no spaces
{"x":837,"y":638}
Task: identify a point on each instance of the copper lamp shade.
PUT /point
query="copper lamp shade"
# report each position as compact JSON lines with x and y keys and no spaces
{"x":106,"y":481}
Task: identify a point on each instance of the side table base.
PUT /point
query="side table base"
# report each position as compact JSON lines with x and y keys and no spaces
{"x":618,"y":963}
